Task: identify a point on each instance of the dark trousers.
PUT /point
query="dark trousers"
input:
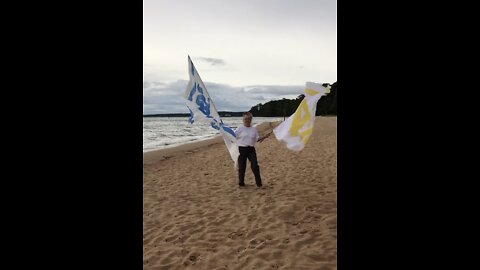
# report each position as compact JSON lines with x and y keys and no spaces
{"x":248,"y":152}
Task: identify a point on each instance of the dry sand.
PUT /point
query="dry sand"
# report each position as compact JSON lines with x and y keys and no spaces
{"x":196,"y":217}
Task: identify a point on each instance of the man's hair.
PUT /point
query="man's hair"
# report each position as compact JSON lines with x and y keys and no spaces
{"x":248,"y":114}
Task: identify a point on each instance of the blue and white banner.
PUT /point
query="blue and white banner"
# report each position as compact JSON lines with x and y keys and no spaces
{"x":202,"y":109}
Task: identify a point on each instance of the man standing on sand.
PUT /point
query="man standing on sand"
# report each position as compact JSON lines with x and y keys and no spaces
{"x":247,"y":136}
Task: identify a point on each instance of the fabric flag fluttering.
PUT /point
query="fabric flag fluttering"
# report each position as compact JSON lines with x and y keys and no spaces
{"x":296,"y":130}
{"x":202,"y":109}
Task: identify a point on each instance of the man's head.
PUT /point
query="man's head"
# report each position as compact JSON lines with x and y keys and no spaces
{"x":247,"y":119}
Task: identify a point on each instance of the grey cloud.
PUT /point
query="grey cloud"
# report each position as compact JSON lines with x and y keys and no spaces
{"x":159,"y":97}
{"x":160,"y":88}
{"x":149,"y":84}
{"x":276,"y":90}
{"x":259,"y":97}
{"x":212,"y":61}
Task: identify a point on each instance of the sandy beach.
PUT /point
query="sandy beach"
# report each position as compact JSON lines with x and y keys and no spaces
{"x":196,"y":217}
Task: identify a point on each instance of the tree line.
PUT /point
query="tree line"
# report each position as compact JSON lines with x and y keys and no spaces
{"x":327,"y":105}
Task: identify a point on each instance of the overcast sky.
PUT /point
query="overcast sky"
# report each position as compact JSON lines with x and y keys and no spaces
{"x":246,"y":51}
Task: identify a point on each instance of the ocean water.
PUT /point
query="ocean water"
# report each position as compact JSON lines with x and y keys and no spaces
{"x":165,"y":132}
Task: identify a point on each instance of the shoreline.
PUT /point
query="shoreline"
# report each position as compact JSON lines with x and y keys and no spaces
{"x":181,"y":143}
{"x":156,"y":155}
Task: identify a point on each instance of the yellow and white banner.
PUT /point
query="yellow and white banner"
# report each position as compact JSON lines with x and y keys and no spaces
{"x":296,"y":130}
